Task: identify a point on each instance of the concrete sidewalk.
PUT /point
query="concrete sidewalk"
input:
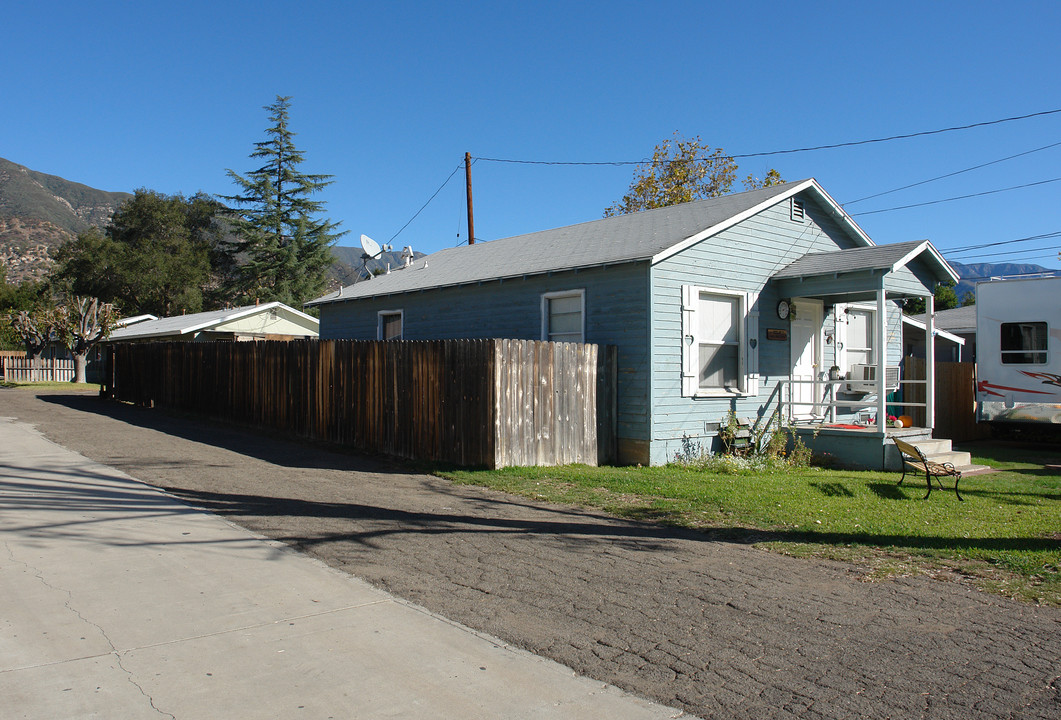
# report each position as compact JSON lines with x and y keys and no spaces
{"x":117,"y":600}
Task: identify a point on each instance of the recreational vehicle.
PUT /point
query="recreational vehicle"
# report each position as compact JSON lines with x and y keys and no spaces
{"x":1018,"y":359}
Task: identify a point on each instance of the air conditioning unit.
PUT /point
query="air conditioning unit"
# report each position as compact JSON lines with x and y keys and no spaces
{"x":862,"y":379}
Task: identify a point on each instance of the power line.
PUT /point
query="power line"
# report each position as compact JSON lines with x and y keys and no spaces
{"x":461,"y":164}
{"x":963,"y":248}
{"x":1015,"y":252}
{"x":957,"y":172}
{"x":794,"y":150}
{"x":959,"y":197}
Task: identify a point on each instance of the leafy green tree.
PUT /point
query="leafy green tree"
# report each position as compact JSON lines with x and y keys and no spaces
{"x":34,"y":328}
{"x":682,"y":170}
{"x":155,"y":256}
{"x":283,"y":240}
{"x":24,"y":296}
{"x":944,"y":296}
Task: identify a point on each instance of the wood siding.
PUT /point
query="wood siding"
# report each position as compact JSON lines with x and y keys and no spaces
{"x":741,"y":258}
{"x":475,"y":402}
{"x":616,"y":302}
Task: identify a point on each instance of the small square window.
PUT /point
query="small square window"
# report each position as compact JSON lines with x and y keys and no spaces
{"x":389,"y":325}
{"x":563,"y":316}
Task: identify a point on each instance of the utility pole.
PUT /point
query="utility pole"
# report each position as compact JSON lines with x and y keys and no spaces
{"x":468,"y":179}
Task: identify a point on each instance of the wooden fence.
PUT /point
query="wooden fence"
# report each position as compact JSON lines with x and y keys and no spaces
{"x":955,"y":399}
{"x":22,"y":369}
{"x":469,"y":402}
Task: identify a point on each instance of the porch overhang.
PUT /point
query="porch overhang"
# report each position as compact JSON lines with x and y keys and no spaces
{"x":874,"y":274}
{"x":911,"y":269}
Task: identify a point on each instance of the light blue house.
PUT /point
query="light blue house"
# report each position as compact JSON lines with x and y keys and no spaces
{"x":742,"y":303}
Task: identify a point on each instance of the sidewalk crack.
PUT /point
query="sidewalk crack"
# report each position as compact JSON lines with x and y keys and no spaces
{"x":129,"y":676}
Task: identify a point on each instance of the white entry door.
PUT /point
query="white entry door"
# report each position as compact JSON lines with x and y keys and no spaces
{"x":805,"y":332}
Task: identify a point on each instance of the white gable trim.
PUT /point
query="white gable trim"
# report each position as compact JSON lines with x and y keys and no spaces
{"x":247,"y":312}
{"x":842,"y":217}
{"x":922,"y":246}
{"x":907,"y":320}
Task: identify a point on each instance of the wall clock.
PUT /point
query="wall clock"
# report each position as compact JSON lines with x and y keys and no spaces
{"x":783,"y":309}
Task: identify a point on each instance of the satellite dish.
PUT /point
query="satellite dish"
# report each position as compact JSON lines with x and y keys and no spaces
{"x":370,"y":246}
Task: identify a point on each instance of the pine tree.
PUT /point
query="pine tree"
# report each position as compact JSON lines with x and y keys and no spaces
{"x":283,"y":244}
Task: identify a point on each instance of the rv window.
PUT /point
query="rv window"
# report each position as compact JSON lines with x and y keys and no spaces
{"x":1024,"y":343}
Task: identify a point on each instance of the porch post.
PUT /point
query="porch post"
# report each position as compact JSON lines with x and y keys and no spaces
{"x":930,"y":362}
{"x":882,"y":359}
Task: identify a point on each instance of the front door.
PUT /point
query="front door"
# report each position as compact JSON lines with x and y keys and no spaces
{"x":806,"y":349}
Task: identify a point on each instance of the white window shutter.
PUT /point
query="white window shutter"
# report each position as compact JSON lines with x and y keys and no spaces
{"x":751,"y":343}
{"x":689,"y":341}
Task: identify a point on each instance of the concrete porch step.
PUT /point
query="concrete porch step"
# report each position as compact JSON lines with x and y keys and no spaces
{"x":932,"y":446}
{"x":940,"y":450}
{"x":957,"y":459}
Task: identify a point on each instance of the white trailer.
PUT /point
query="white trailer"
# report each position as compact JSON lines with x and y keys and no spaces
{"x":1018,"y":350}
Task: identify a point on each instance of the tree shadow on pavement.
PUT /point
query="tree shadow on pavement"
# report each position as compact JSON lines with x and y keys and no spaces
{"x":272,"y":447}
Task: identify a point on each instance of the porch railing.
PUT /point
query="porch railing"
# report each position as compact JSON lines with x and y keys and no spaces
{"x":822,"y":405}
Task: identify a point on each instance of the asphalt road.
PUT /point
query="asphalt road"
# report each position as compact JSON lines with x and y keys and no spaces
{"x":718,"y":628}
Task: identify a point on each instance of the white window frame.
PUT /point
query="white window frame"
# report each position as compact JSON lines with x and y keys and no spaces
{"x":747,"y":343}
{"x":386,"y":313}
{"x":580,"y":293}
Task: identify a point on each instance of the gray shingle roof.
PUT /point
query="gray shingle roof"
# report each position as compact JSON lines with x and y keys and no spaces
{"x":878,"y":257}
{"x":184,"y":324}
{"x":959,"y":319}
{"x":624,"y":238}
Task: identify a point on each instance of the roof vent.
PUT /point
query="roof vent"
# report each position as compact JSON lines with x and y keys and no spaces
{"x":799,"y":212}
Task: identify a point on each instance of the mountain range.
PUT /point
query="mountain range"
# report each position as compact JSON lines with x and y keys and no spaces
{"x":39,"y":211}
{"x":975,"y":272}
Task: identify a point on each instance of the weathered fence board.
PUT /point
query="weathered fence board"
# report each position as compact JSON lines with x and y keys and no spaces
{"x":467,"y":402}
{"x":22,"y":369}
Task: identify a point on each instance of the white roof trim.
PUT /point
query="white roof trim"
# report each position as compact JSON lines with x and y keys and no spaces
{"x":921,"y":247}
{"x":246,"y":312}
{"x":810,"y":184}
{"x":939,"y":333}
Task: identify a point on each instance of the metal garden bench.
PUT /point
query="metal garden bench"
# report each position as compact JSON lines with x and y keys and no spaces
{"x":915,"y":459}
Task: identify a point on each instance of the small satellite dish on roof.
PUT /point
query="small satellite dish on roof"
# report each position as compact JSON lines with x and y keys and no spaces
{"x":370,"y":246}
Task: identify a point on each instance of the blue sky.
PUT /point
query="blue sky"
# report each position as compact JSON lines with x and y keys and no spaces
{"x":388,"y":97}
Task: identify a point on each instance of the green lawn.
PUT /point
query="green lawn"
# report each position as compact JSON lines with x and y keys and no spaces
{"x":1005,"y":536}
{"x":51,"y":385}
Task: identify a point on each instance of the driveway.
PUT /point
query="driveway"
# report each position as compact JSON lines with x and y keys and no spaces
{"x":717,"y":628}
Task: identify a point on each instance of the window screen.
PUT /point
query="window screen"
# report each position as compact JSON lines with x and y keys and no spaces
{"x":719,"y":340}
{"x":564,"y":318}
{"x":390,"y":326}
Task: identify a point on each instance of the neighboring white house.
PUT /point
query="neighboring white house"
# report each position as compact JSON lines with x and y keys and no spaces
{"x":268,"y":321}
